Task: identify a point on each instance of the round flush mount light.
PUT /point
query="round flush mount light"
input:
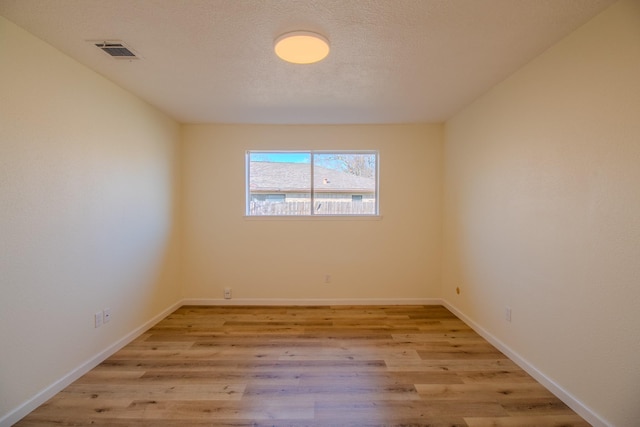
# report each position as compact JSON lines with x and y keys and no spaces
{"x":301,"y":47}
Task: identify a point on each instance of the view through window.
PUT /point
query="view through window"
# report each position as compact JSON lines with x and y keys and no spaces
{"x":284,"y":183}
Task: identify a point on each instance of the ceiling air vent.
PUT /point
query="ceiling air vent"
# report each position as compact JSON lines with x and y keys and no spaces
{"x":116,"y":49}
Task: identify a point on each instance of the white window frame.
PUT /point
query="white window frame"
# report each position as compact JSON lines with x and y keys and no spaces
{"x":312,"y":213}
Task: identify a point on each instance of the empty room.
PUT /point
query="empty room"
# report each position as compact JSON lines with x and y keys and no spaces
{"x":320,"y":213}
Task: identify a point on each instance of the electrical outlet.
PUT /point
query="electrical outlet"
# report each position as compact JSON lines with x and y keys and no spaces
{"x":507,"y":314}
{"x":327,"y":278}
{"x":106,"y":315}
{"x":227,"y":293}
{"x":97,"y":318}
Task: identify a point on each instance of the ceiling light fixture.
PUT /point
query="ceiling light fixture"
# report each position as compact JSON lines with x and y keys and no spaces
{"x":301,"y":47}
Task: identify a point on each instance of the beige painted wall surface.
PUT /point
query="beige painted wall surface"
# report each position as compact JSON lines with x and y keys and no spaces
{"x":395,"y":257}
{"x":87,"y":185}
{"x":542,"y":213}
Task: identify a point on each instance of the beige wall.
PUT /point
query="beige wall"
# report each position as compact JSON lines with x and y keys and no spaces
{"x":542,"y":213}
{"x":87,"y":205}
{"x":395,"y":257}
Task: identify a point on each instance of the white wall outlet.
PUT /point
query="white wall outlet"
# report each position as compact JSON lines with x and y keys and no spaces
{"x":227,"y":293}
{"x":97,"y":319}
{"x":106,"y":315}
{"x":507,"y":314}
{"x":327,"y":278}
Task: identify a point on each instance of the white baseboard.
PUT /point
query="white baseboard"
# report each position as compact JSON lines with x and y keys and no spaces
{"x":571,"y":401}
{"x":312,"y":302}
{"x":47,"y":393}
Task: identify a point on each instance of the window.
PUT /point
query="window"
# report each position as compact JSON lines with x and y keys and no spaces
{"x":305,"y":183}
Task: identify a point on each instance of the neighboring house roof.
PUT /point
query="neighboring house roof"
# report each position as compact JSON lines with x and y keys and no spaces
{"x":294,"y":177}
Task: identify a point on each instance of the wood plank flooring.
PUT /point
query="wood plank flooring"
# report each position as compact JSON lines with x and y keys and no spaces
{"x":307,"y":366}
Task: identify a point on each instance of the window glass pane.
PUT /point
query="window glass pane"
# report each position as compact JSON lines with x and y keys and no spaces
{"x":344,"y":183}
{"x":279,"y":183}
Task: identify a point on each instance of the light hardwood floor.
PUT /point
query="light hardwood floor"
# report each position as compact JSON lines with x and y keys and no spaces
{"x":307,"y":366}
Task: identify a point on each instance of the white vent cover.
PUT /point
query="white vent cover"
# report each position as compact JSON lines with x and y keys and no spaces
{"x":115,"y":49}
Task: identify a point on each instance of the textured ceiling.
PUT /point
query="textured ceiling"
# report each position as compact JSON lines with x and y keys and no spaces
{"x":391,"y":61}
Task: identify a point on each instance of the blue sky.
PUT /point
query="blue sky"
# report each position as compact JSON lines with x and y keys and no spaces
{"x":281,"y":157}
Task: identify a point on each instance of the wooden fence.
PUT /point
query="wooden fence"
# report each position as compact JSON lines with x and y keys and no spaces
{"x":324,"y":207}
